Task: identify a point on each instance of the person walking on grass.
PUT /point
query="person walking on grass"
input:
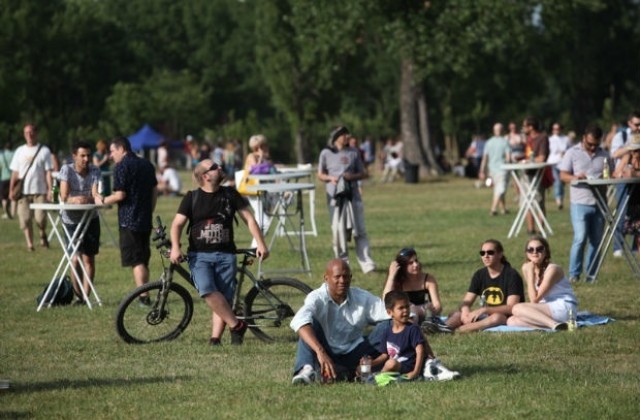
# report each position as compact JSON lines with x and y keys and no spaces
{"x":135,"y":192}
{"x":210,"y":211}
{"x":499,"y":286}
{"x":551,"y":297}
{"x":32,"y":163}
{"x":340,"y":168}
{"x":496,"y":153}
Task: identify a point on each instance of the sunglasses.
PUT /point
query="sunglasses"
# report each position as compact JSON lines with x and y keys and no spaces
{"x":636,"y":125}
{"x":489,"y":252}
{"x":213,"y":167}
{"x":407,"y":252}
{"x":537,"y":250}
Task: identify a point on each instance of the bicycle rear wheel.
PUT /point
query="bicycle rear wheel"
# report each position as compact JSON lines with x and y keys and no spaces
{"x":270,"y":307}
{"x":138,"y":324}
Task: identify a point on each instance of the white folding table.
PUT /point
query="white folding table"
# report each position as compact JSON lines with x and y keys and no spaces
{"x":528,"y":186}
{"x":285,"y":194}
{"x":612,"y":214}
{"x":70,"y":243}
{"x":294,"y":175}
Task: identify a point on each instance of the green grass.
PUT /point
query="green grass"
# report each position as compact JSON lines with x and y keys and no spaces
{"x":69,"y":363}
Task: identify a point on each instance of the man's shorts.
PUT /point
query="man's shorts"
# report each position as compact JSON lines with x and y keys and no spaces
{"x":214,"y":272}
{"x":90,"y":244}
{"x":134,"y":247}
{"x":499,"y":183}
{"x":4,"y":189}
{"x":25,"y":214}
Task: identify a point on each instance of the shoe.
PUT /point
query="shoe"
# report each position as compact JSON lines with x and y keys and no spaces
{"x":618,"y":253}
{"x":306,"y":376}
{"x":561,"y":326}
{"x":144,"y":302}
{"x":493,"y":213}
{"x":590,"y":280}
{"x":5,"y":216}
{"x":560,"y":206}
{"x":237,"y":333}
{"x":574,"y":279}
{"x":44,"y":242}
{"x":429,"y":327}
{"x":435,"y":371}
{"x":79,"y":302}
{"x":215,"y":341}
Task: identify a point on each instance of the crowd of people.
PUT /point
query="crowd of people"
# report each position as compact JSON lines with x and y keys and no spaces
{"x":332,"y":323}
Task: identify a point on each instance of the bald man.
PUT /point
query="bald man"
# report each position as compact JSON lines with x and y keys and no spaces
{"x":330,"y":326}
{"x":496,"y":153}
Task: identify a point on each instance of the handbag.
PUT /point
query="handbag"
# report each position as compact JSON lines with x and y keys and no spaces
{"x":547,"y":177}
{"x":17,"y":191}
{"x":244,"y":182}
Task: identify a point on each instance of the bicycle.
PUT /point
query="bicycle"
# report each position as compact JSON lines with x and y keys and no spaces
{"x":267,"y":307}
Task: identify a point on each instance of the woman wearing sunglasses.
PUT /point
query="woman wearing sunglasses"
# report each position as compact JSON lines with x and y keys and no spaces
{"x":406,"y":275}
{"x":499,"y":286}
{"x":550,"y":294}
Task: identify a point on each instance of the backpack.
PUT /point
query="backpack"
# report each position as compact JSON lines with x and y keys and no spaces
{"x":63,"y":297}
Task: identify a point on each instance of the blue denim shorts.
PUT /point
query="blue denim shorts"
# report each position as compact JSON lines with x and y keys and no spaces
{"x":213,"y":272}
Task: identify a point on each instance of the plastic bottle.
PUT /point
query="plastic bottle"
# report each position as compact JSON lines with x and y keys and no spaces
{"x":56,"y":192}
{"x":532,"y":156}
{"x":572,"y":323}
{"x":483,"y":301}
{"x":605,"y":169}
{"x":365,"y":369}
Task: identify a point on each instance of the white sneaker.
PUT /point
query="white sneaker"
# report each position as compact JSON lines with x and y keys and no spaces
{"x":618,"y":253}
{"x":306,"y":376}
{"x":435,"y":371}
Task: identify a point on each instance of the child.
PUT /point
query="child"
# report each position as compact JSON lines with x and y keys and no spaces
{"x":403,"y":347}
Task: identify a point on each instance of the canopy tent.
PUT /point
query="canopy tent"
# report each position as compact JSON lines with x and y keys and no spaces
{"x":145,"y":138}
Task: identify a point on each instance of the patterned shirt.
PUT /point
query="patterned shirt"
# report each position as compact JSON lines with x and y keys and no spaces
{"x":137,"y":178}
{"x":78,"y":186}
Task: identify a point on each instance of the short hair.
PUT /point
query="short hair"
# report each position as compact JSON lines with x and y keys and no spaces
{"x":122,"y":142}
{"x":393,"y":297}
{"x":80,"y":144}
{"x":533,"y":122}
{"x":634,"y":114}
{"x":256,"y":141}
{"x":594,"y":130}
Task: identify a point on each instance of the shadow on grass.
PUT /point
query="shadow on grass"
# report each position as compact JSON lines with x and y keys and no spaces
{"x":25,"y":388}
{"x":471,"y":371}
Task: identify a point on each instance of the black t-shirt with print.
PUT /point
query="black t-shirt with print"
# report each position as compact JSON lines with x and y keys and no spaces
{"x":498,"y":289}
{"x":211,"y":219}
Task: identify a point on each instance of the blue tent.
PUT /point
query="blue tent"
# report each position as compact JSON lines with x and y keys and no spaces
{"x":145,"y":138}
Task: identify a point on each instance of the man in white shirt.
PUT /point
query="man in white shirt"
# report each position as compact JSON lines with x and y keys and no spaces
{"x":330,"y":327}
{"x":37,"y":183}
{"x":558,"y":145}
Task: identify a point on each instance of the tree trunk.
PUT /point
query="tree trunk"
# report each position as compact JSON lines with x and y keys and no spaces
{"x":299,"y":145}
{"x":408,"y":114}
{"x":427,"y":151}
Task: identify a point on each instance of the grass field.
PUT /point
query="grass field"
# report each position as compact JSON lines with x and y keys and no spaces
{"x":68,"y":362}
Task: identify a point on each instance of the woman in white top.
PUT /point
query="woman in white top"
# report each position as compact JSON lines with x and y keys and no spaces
{"x":558,"y":145}
{"x":550,"y":294}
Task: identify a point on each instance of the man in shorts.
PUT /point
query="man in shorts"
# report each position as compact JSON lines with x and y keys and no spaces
{"x":496,"y":153}
{"x":210,"y":211}
{"x":79,"y":185}
{"x":135,"y":192}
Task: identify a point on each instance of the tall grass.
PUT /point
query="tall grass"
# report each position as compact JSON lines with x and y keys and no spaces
{"x":69,"y":363}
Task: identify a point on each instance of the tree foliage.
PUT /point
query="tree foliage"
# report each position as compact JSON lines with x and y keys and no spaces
{"x":294,"y":68}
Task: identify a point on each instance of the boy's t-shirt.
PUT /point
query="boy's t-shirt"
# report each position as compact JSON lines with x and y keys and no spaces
{"x":402,"y":346}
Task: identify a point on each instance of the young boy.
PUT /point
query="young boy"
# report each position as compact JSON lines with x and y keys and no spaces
{"x":403,"y":348}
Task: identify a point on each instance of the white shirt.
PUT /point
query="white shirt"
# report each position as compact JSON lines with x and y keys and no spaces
{"x":342,"y":324}
{"x":557,"y":146}
{"x":171,"y":177}
{"x":618,"y":141}
{"x":35,"y":181}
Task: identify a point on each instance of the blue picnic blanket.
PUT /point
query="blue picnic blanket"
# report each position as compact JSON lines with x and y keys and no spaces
{"x":584,"y":318}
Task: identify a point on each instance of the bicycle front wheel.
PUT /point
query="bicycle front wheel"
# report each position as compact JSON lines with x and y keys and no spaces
{"x":270,"y":306}
{"x":139,"y":324}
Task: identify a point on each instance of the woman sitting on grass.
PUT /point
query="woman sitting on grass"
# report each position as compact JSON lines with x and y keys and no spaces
{"x":550,"y":293}
{"x":406,"y":275}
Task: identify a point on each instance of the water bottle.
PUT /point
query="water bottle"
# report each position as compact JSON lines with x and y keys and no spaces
{"x":532,"y":156}
{"x":572,"y":323}
{"x":605,"y":169}
{"x":365,"y":369}
{"x":56,"y":192}
{"x":483,"y":301}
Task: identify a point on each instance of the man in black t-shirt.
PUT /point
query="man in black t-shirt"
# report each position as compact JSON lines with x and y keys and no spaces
{"x":210,"y":212}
